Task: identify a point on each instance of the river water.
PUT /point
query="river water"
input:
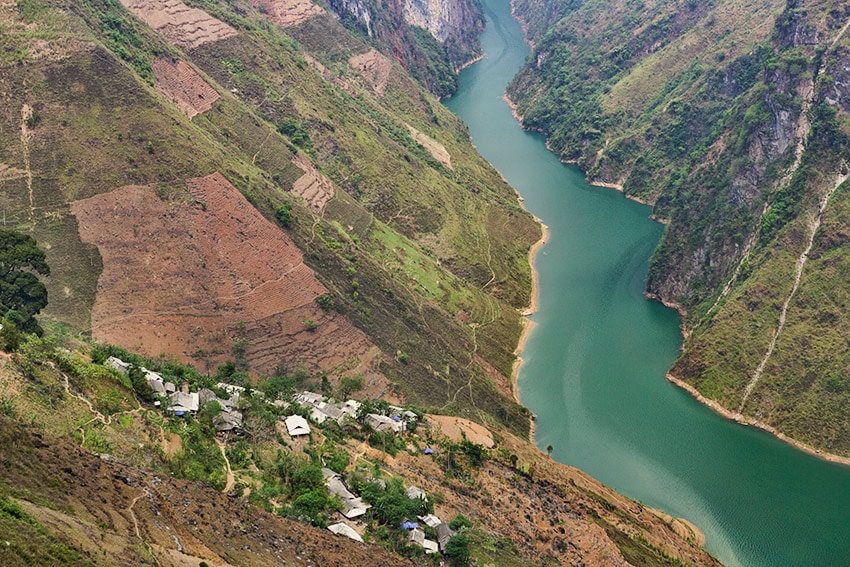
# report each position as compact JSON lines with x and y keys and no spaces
{"x":596,"y":359}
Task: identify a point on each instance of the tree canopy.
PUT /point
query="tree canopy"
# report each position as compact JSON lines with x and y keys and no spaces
{"x":22,"y":295}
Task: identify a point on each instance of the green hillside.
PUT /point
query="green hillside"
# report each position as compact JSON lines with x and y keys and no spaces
{"x":730,"y":117}
{"x":430,"y":262}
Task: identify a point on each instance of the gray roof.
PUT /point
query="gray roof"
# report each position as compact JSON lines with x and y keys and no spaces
{"x":117,"y":364}
{"x":416,"y":492}
{"x":346,"y":530}
{"x":156,"y":385}
{"x":444,"y":534}
{"x":382,"y":423}
{"x":184,"y":402}
{"x":228,"y":421}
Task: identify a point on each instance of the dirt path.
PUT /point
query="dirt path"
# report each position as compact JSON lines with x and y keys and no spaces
{"x":26,"y":115}
{"x":798,"y":274}
{"x":231,"y":480}
{"x":136,"y":529}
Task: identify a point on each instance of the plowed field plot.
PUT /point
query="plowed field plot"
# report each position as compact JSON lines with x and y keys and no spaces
{"x":434,"y":147}
{"x":193,"y":277}
{"x":178,"y":23}
{"x":182,"y":84}
{"x":287,"y":13}
{"x":374,"y":68}
{"x":313,"y":186}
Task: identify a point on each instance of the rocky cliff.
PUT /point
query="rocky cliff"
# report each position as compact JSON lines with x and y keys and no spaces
{"x":431,"y":39}
{"x":731,"y":122}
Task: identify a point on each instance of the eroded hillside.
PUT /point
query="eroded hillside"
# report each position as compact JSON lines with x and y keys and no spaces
{"x":730,"y":118}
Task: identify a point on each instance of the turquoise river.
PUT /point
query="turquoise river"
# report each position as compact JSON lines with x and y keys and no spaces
{"x":596,"y":359}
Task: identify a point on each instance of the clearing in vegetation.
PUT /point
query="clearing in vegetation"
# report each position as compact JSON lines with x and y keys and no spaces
{"x":183,"y":85}
{"x":374,"y":68}
{"x":287,"y":13}
{"x":313,"y":186}
{"x":434,"y":147}
{"x":178,"y":23}
{"x":201,"y":277}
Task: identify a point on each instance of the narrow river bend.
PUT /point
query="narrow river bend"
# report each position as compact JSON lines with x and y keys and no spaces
{"x":595,"y":361}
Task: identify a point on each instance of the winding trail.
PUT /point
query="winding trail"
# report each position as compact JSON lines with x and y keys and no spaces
{"x":798,"y":274}
{"x":26,"y":115}
{"x":231,"y":479}
{"x":136,"y":525}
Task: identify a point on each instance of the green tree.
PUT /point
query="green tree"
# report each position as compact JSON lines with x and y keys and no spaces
{"x":22,"y":295}
{"x":457,"y":549}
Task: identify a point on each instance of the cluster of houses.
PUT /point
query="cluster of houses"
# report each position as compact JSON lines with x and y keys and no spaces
{"x":323,"y":409}
{"x":353,"y":507}
{"x":180,"y":401}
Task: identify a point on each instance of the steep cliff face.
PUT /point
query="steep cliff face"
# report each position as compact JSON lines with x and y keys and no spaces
{"x":454,"y":23}
{"x":731,"y":121}
{"x":431,"y":39}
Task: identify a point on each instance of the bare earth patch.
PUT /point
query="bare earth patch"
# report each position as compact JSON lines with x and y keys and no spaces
{"x":434,"y":147}
{"x":193,"y":277}
{"x":457,"y":428}
{"x":374,"y":68}
{"x":313,"y":186}
{"x":178,"y":23}
{"x":7,"y":172}
{"x":183,"y":85}
{"x":287,"y":13}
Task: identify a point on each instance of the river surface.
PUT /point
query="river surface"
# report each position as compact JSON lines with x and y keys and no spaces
{"x":596,"y":359}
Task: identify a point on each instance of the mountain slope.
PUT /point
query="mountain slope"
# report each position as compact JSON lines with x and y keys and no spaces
{"x":319,"y":139}
{"x":730,"y":118}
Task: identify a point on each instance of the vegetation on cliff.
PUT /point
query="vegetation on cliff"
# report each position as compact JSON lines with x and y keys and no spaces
{"x":732,"y":120}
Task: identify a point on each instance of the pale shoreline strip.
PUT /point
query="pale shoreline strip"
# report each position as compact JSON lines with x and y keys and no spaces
{"x":743,"y":420}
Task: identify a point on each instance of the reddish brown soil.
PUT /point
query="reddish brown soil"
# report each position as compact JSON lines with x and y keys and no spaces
{"x":197,"y":274}
{"x":287,"y":13}
{"x":374,"y":68}
{"x":183,"y":85}
{"x":178,"y":23}
{"x":313,"y":187}
{"x":457,"y":429}
{"x":101,"y":508}
{"x":553,"y":513}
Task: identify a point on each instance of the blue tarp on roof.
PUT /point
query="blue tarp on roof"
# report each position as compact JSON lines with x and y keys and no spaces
{"x":396,"y":418}
{"x":428,"y":451}
{"x":409,"y":525}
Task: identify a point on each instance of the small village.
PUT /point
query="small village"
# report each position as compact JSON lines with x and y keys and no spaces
{"x":178,"y":401}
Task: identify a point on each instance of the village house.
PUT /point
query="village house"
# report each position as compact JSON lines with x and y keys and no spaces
{"x":297,"y":426}
{"x":352,"y":506}
{"x":383,"y":424}
{"x":345,"y":530}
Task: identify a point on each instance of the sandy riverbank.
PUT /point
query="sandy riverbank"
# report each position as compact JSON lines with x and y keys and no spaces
{"x":743,"y":420}
{"x":472,"y":61}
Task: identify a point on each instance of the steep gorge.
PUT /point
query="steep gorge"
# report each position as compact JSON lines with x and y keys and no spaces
{"x":729,"y":117}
